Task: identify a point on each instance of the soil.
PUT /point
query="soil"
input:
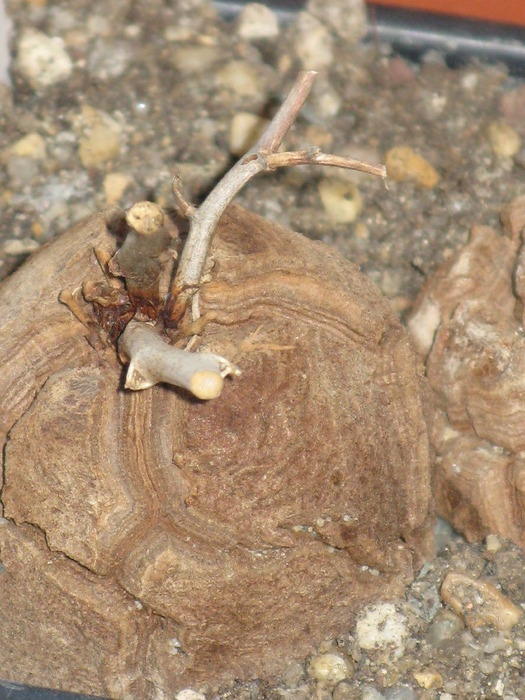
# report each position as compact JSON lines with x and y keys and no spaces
{"x":148,"y":87}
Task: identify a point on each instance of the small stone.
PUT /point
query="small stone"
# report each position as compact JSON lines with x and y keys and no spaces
{"x":492,"y":543}
{"x":256,"y":22}
{"x":345,"y":690}
{"x":479,"y":603}
{"x":194,"y":59}
{"x":21,"y":170}
{"x":325,"y":101}
{"x":313,"y":43}
{"x":100,"y":140}
{"x":512,"y":106}
{"x":293,"y":674}
{"x":115,"y":185}
{"x":399,"y":71}
{"x":98,"y":26}
{"x":428,"y":678}
{"x":317,"y":136}
{"x":495,"y":644}
{"x":328,"y":668}
{"x":446,"y":625}
{"x":19,"y":246}
{"x":62,"y":146}
{"x":371,"y":693}
{"x":241,"y":78}
{"x":403,"y":163}
{"x":382,"y":627}
{"x":37,"y":229}
{"x":245,"y":129}
{"x":341,"y":200}
{"x":347,"y":19}
{"x":504,"y":139}
{"x":30,"y":146}
{"x":403,"y":692}
{"x":109,"y":59}
{"x":189,"y":694}
{"x":42,"y":59}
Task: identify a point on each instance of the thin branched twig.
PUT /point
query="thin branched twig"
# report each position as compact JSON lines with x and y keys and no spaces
{"x":262,"y":157}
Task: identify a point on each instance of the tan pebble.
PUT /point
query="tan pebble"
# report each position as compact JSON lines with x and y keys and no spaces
{"x":192,"y":59}
{"x":428,"y":678}
{"x":115,"y":185}
{"x":504,"y":139}
{"x":328,"y":668}
{"x":479,"y":603}
{"x":245,"y":129}
{"x":403,"y":163}
{"x":76,"y":39}
{"x":100,"y":137}
{"x":19,"y":246}
{"x":240,"y":77}
{"x":37,"y":229}
{"x":319,"y":137}
{"x":492,"y":543}
{"x":341,"y":200}
{"x":32,"y":146}
{"x":400,"y":304}
{"x":256,"y":21}
{"x":100,"y":146}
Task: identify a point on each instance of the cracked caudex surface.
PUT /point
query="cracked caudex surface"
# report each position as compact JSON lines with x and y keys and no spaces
{"x":152,"y":540}
{"x":468,"y":324}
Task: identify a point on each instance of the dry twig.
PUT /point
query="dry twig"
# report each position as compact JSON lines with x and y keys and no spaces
{"x":263,"y":157}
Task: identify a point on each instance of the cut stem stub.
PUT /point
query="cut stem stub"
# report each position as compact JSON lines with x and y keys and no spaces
{"x":152,"y":360}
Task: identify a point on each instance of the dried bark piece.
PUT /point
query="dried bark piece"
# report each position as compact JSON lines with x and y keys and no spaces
{"x":468,"y":325}
{"x":479,"y":603}
{"x":231,"y":534}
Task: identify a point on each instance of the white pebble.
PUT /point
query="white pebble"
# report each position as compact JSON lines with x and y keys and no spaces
{"x":382,"y":627}
{"x":313,"y":43}
{"x":341,"y":200}
{"x":257,"y":21}
{"x":42,"y":59}
{"x":189,"y":694}
{"x":328,"y":668}
{"x":347,"y":19}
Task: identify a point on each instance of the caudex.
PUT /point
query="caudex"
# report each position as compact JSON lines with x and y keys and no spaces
{"x":136,"y":313}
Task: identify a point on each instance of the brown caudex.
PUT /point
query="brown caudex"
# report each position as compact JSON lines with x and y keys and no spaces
{"x":152,"y":540}
{"x":468,"y":325}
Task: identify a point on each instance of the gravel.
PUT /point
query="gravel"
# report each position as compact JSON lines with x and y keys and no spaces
{"x":108,"y":97}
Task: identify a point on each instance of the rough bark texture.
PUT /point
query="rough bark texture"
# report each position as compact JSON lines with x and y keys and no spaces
{"x":468,"y":324}
{"x":151,"y":540}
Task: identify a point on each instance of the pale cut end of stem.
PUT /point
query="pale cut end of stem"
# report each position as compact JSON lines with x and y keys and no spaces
{"x":206,"y":384}
{"x":146,"y":218}
{"x":152,"y":361}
